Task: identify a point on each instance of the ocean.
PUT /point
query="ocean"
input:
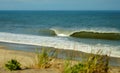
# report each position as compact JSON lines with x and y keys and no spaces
{"x":86,"y":31}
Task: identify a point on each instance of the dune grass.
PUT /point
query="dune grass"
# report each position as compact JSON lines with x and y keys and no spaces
{"x":93,"y":64}
{"x":42,"y":59}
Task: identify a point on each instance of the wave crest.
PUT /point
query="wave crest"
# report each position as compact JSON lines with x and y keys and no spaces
{"x":96,"y":35}
{"x":113,"y":35}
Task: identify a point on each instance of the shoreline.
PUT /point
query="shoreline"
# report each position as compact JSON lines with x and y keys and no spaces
{"x":25,"y":59}
{"x":86,"y":45}
{"x":69,"y":49}
{"x":61,"y":53}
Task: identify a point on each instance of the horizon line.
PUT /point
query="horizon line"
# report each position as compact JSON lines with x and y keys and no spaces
{"x":59,"y":10}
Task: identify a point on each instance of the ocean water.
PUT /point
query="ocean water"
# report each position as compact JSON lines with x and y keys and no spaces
{"x":96,"y":29}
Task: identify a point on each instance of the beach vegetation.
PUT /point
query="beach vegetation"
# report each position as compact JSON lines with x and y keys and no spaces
{"x":13,"y":64}
{"x":93,"y":64}
{"x":42,"y":59}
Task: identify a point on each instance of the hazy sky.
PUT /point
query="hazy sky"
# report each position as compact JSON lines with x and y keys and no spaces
{"x":59,"y":4}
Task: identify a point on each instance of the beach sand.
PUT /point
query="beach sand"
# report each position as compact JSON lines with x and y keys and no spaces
{"x":27,"y":60}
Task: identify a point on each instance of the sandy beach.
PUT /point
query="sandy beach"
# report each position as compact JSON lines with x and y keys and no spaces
{"x":27,"y":60}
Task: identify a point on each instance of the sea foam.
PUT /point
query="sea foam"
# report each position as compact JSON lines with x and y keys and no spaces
{"x":59,"y":42}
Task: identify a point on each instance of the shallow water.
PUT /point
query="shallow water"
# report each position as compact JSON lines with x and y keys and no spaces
{"x":63,"y":54}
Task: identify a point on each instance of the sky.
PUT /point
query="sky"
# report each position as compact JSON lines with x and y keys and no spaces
{"x":59,"y":4}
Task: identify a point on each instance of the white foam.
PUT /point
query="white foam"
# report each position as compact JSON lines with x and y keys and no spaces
{"x":58,"y":42}
{"x":63,"y":35}
{"x":61,"y":32}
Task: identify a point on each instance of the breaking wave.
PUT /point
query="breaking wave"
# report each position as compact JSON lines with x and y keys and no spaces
{"x":59,"y":42}
{"x":109,"y":35}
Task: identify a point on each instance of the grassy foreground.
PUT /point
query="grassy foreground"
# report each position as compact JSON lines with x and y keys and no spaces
{"x":44,"y":60}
